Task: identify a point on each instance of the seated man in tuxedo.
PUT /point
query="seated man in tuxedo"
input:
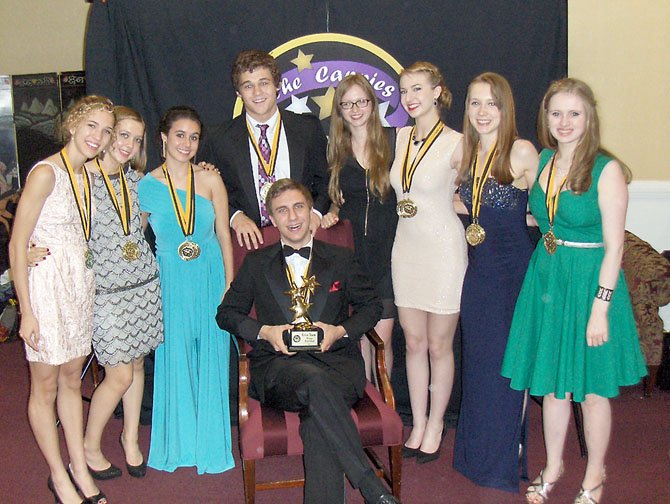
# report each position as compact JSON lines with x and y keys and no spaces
{"x":263,"y":145}
{"x":321,"y":385}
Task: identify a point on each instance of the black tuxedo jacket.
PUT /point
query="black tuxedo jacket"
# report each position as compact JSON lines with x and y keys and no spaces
{"x":227,"y":147}
{"x":344,"y":297}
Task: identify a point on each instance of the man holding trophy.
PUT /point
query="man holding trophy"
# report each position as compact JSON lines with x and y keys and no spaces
{"x":312,"y":303}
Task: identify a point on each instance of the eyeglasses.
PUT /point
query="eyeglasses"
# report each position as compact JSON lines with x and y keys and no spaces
{"x":361,"y":104}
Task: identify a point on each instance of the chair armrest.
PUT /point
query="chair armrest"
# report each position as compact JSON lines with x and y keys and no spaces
{"x":244,"y":380}
{"x":380,"y":368}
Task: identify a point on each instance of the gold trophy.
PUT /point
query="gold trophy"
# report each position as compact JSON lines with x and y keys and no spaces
{"x":304,"y":335}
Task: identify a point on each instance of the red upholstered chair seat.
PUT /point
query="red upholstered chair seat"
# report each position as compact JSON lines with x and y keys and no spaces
{"x":269,"y":431}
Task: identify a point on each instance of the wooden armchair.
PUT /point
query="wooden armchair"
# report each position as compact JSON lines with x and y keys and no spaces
{"x":266,"y":432}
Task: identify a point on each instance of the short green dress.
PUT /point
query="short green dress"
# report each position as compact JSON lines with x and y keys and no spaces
{"x":546,"y":350}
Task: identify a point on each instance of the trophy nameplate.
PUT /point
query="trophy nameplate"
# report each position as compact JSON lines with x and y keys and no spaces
{"x":303,"y":337}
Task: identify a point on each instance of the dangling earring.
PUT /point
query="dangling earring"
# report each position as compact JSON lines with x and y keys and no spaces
{"x":163,"y":149}
{"x":435,"y":102}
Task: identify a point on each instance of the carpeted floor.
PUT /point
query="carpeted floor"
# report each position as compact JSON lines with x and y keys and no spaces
{"x":638,"y":461}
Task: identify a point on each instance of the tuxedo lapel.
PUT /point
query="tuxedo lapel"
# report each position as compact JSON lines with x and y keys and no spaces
{"x":296,"y":149}
{"x":247,"y":166}
{"x":275,"y":275}
{"x":323,"y":269}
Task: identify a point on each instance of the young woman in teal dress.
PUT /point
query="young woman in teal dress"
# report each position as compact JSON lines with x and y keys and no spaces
{"x":187,"y":208}
{"x":573,"y":335}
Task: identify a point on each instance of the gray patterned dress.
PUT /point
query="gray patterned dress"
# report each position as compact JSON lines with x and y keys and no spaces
{"x":127,"y":321}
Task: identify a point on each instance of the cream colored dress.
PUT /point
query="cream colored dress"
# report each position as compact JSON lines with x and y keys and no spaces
{"x":429,"y":253}
{"x":61,"y":288}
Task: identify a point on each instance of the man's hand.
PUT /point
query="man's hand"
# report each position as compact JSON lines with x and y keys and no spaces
{"x":275,"y":336}
{"x":247,"y":231}
{"x":331,"y":334}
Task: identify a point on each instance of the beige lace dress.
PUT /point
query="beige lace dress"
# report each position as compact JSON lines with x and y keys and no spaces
{"x":61,"y":287}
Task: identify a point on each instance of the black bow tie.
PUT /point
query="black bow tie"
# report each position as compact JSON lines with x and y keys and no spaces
{"x":289,"y":251}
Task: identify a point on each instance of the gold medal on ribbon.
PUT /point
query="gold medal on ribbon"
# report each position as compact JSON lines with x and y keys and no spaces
{"x":188,"y":250}
{"x":83,"y":206}
{"x":130,"y":251}
{"x":549,"y":242}
{"x":551,"y":202}
{"x":265,"y":189}
{"x":406,"y":208}
{"x":268,"y":166}
{"x":475,"y":233}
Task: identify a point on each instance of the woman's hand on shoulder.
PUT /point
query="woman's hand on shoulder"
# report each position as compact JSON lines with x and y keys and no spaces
{"x":329,"y":220}
{"x":208,"y":166}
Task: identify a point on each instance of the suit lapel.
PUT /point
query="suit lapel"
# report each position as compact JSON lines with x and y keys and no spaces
{"x":323,"y":270}
{"x":275,"y":274}
{"x":295,"y":144}
{"x":247,"y":162}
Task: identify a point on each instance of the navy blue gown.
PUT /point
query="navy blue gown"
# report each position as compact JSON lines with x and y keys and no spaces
{"x":490,"y":425}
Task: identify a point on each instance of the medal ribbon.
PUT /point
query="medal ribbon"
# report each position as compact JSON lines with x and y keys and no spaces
{"x":408,"y":169}
{"x":478,"y":183}
{"x":268,"y":166}
{"x":550,"y":199}
{"x":84,"y":207}
{"x":122,"y":207}
{"x":186,"y":219}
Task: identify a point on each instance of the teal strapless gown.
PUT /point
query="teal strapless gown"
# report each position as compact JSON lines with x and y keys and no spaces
{"x":191,"y":414}
{"x":546,"y":350}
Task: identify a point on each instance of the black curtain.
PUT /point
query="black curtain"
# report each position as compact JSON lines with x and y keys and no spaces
{"x":154,"y":54}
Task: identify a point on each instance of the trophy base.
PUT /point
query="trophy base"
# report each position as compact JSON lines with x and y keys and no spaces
{"x":303,"y":339}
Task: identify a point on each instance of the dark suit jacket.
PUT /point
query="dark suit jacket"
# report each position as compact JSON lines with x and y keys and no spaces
{"x":262,"y":280}
{"x":227,"y":147}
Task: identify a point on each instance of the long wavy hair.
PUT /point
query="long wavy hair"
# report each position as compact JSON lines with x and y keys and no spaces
{"x":377,"y":150}
{"x":588,"y":147}
{"x":121,"y":112}
{"x":507,"y":133}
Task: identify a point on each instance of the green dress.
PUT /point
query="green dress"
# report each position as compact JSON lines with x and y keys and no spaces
{"x":546,"y":350}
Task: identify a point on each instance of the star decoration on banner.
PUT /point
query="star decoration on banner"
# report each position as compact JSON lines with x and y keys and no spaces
{"x":383,"y":109}
{"x":299,"y":105}
{"x":325,"y":103}
{"x":303,"y":61}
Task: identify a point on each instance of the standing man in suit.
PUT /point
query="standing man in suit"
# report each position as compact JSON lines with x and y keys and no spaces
{"x":263,"y":145}
{"x":321,"y":385}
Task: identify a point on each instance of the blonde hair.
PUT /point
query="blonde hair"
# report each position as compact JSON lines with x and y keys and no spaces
{"x":435,"y":78}
{"x":588,"y":147}
{"x":121,"y":112}
{"x":507,"y":133}
{"x":79,"y":110}
{"x":377,"y":151}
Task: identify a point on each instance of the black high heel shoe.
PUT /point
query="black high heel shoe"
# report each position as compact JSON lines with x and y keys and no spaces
{"x":99,"y":498}
{"x":408,"y":452}
{"x":137,"y":471}
{"x":52,"y":489}
{"x":423,"y":457}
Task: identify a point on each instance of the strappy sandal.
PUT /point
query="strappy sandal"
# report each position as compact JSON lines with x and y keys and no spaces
{"x":585,"y":497}
{"x":541,"y":489}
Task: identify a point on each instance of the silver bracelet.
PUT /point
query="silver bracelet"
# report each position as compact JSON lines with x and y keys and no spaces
{"x":604,"y":293}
